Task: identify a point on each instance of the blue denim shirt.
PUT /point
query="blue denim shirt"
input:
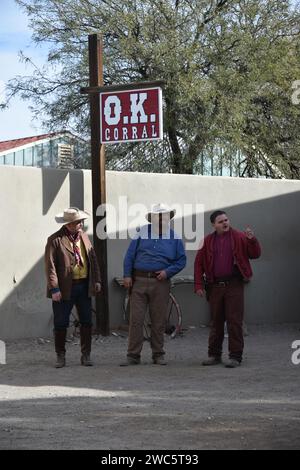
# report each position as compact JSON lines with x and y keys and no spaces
{"x":153,"y":252}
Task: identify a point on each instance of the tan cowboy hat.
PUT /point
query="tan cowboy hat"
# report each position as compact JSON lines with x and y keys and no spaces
{"x":72,"y":214}
{"x":160,"y":209}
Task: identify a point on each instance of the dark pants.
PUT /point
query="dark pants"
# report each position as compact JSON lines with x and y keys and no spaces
{"x":80,"y":298}
{"x":227,"y":304}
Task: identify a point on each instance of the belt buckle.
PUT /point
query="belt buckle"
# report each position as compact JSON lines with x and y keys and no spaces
{"x":222,"y":283}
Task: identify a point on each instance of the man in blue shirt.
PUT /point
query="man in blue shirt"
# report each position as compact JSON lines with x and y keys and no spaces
{"x":151,"y":260}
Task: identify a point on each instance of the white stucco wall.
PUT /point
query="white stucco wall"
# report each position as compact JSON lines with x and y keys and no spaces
{"x":30,"y":197}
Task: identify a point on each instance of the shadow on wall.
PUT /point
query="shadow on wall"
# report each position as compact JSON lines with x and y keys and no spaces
{"x":53,"y":180}
{"x":272,"y":296}
{"x":26,"y":312}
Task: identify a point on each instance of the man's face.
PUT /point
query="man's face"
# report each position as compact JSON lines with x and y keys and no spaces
{"x":74,"y":227}
{"x":221,"y":224}
{"x":160,"y":222}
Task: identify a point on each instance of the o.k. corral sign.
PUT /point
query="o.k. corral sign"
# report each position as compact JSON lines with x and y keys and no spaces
{"x":131,"y":115}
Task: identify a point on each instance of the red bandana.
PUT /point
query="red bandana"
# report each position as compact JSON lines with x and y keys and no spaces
{"x":74,"y":238}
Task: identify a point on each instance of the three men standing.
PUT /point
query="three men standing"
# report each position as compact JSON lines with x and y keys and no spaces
{"x":223,"y":262}
{"x":153,"y":257}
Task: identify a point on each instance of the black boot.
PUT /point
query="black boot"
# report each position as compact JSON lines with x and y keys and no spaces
{"x":86,"y":342}
{"x":60,"y":341}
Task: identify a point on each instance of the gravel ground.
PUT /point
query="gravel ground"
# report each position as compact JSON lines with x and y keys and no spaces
{"x":180,"y":406}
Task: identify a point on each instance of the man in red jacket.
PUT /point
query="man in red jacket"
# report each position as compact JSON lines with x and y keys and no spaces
{"x":223,"y":261}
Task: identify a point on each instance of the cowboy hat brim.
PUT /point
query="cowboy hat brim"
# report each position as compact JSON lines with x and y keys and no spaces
{"x":171,"y":212}
{"x":82,"y":215}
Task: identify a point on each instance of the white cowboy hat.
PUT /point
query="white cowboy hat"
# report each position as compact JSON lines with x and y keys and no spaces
{"x":72,"y":214}
{"x":160,"y":209}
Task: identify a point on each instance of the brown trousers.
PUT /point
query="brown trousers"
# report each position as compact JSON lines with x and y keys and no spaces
{"x":148,"y":292}
{"x":227,"y":304}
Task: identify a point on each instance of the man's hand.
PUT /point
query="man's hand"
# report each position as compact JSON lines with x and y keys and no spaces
{"x":249,"y":233}
{"x":57,"y":297}
{"x":161,"y":275}
{"x":200,"y":292}
{"x":97,"y":287}
{"x":127,"y":282}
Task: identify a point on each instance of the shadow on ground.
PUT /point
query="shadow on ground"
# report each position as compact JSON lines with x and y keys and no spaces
{"x":180,"y":406}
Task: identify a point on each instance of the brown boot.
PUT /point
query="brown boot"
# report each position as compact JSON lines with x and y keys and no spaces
{"x":159,"y":360}
{"x":60,"y":340}
{"x":60,"y":360}
{"x":86,"y":342}
{"x":212,"y":361}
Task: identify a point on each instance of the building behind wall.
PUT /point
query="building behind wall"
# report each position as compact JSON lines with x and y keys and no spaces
{"x":56,"y":150}
{"x":67,"y":151}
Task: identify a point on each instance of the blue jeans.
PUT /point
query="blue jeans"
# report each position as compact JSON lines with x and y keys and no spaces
{"x":80,"y":298}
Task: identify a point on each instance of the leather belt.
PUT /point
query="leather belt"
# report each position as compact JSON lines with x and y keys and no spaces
{"x":149,"y":274}
{"x":225,"y":282}
{"x":79,"y":281}
{"x":221,"y":283}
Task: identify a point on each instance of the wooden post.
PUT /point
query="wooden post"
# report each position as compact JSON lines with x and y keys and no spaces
{"x":98,"y":178}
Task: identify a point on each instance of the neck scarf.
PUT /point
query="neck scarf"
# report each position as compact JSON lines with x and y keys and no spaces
{"x":74,"y":238}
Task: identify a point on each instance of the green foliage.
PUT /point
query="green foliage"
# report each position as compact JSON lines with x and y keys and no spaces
{"x":228,"y":65}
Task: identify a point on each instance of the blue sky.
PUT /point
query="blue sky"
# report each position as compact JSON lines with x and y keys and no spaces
{"x":15,"y":36}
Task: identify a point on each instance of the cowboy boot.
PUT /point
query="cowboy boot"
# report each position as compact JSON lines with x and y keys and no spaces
{"x":60,"y":340}
{"x":86,"y":341}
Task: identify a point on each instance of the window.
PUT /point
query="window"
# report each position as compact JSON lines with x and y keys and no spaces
{"x":19,"y":157}
{"x":9,"y":159}
{"x":38,"y":155}
{"x":47,"y":154}
{"x":28,"y":157}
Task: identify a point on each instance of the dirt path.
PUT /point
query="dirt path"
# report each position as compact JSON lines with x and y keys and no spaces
{"x":179,"y":406}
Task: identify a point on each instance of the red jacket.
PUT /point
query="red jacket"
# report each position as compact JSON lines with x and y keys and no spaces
{"x":243,"y":249}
